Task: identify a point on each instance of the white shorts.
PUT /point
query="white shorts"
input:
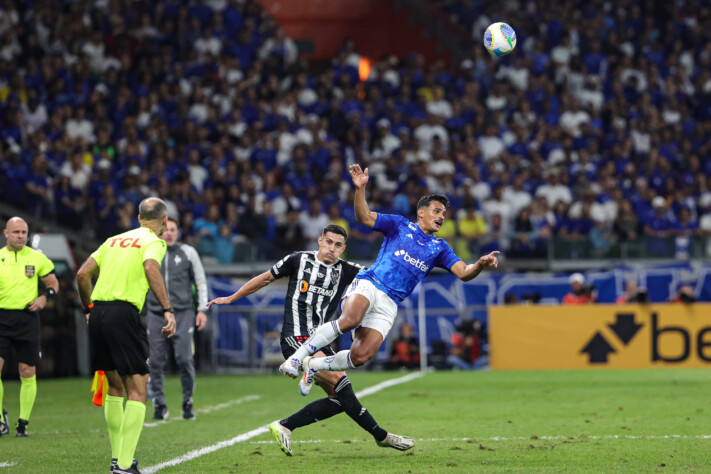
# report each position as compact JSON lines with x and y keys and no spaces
{"x":382,"y":310}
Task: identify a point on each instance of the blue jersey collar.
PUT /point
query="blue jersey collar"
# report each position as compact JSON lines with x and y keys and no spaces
{"x":413,"y":226}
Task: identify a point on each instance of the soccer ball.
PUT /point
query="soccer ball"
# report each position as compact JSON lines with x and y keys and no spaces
{"x":499,"y":39}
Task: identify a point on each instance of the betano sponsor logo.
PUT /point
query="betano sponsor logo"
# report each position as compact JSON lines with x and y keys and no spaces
{"x":306,"y":288}
{"x":624,"y":336}
{"x":415,"y":262}
{"x":625,"y":328}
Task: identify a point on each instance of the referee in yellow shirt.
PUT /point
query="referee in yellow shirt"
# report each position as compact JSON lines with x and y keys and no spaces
{"x":127,"y":265}
{"x":20,"y":266}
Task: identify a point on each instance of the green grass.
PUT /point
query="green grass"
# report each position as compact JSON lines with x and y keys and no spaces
{"x":464,"y":422}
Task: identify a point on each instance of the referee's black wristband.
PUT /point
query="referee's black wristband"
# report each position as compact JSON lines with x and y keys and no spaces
{"x":50,"y":293}
{"x":168,"y":310}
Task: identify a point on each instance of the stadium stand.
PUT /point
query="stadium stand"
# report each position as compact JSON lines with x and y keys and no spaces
{"x":593,"y":140}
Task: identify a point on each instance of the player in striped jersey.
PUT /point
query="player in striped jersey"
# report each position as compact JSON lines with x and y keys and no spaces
{"x":317,"y":281}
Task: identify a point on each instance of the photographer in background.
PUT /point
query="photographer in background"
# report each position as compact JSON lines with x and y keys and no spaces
{"x":580,"y":292}
{"x":633,"y":294}
{"x":466,"y":352}
{"x":405,"y":351}
{"x":685,"y":294}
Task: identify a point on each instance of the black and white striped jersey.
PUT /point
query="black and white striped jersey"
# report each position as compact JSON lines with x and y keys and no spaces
{"x":315,"y":289}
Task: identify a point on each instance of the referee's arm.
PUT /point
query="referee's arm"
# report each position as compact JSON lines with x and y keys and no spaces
{"x":87,"y":271}
{"x":52,"y":284}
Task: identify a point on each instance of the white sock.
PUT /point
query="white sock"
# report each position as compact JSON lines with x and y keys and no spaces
{"x":340,"y":361}
{"x":323,"y":336}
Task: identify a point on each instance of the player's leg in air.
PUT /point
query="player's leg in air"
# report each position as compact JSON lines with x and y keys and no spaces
{"x":354,"y":308}
{"x":318,"y":410}
{"x":365,"y":306}
{"x":340,"y":397}
{"x":375,"y":313}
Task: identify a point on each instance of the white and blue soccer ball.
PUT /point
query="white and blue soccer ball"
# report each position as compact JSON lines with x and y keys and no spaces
{"x":499,"y":39}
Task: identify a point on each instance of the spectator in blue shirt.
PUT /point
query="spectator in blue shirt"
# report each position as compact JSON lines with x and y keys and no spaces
{"x":68,"y":203}
{"x":107,"y":213}
{"x":208,"y":228}
{"x":657,"y":223}
{"x":657,"y":228}
{"x":15,"y":176}
{"x":685,"y":230}
{"x":37,"y":187}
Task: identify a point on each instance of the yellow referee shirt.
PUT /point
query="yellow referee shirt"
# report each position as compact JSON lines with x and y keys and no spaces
{"x":18,"y":276}
{"x":120,"y":260}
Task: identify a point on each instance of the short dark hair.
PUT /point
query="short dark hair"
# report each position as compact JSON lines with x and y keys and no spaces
{"x":152,"y":209}
{"x":335,"y":229}
{"x":426,"y":200}
{"x":174,"y":221}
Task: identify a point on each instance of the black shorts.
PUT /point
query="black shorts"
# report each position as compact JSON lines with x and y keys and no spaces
{"x":289,"y":345}
{"x":20,"y":329}
{"x":119,"y":341}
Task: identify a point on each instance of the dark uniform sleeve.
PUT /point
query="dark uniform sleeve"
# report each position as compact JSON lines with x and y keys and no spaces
{"x":286,"y":266}
{"x":350,"y":270}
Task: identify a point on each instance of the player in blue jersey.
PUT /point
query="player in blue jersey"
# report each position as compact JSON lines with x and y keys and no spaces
{"x":409,"y":252}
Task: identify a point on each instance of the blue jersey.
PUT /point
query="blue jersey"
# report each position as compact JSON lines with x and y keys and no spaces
{"x":406,"y":257}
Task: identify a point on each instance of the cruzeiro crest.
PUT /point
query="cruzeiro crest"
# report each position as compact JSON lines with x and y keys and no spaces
{"x":29,"y":271}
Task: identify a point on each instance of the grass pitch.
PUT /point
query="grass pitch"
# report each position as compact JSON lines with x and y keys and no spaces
{"x":558,"y":421}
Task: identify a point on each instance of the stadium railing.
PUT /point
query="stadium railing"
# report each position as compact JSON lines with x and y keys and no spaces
{"x":555,"y":254}
{"x":246,"y":337}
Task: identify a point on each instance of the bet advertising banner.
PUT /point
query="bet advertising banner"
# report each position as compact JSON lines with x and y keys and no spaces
{"x":600,"y":336}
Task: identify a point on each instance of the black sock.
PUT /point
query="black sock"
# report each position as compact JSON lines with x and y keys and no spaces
{"x":313,"y":412}
{"x":353,"y":408}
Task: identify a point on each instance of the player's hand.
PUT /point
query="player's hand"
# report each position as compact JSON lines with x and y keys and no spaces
{"x":359,"y":177}
{"x":169,"y":328}
{"x":87,"y":317}
{"x":489,"y":261}
{"x":220,"y":300}
{"x":38,"y":303}
{"x":200,"y":320}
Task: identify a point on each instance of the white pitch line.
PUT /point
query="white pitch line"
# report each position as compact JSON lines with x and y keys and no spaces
{"x":206,"y":450}
{"x":388,"y":383}
{"x":221,"y":406}
{"x":263,"y":429}
{"x":248,"y":398}
{"x":501,"y":438}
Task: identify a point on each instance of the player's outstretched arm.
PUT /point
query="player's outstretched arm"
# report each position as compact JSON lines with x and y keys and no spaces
{"x":362,"y":212}
{"x":253,"y":285}
{"x":468,"y":272}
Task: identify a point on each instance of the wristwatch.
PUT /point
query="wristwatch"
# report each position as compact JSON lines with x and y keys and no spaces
{"x":168,"y":310}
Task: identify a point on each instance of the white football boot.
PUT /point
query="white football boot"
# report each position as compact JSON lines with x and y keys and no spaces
{"x":402,"y":443}
{"x":282,"y":436}
{"x":290,"y":367}
{"x":308,"y":376}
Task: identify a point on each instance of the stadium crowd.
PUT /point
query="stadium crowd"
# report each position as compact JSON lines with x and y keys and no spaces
{"x":595,"y":131}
